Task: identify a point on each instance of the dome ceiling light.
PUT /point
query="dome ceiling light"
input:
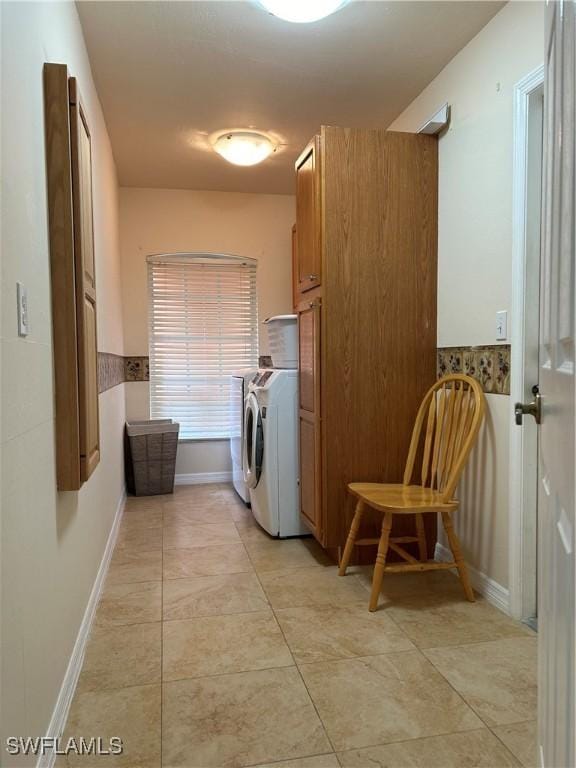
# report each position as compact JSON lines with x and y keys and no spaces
{"x":302,"y":11}
{"x":244,"y":147}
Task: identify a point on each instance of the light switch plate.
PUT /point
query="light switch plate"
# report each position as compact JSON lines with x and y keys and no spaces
{"x":22,"y":299}
{"x":502,"y":325}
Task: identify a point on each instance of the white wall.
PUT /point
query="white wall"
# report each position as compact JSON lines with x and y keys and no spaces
{"x":168,"y":221}
{"x":475,"y":240}
{"x":51,"y":543}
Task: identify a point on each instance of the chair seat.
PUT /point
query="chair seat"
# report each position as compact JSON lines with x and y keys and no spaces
{"x":401,"y":499}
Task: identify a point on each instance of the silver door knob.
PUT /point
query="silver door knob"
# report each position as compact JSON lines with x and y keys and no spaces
{"x":533,"y":408}
{"x":312,"y":277}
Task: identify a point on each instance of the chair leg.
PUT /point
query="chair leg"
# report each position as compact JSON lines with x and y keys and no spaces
{"x":380,"y":561}
{"x":458,"y":557}
{"x":349,"y":548}
{"x":421,"y":533}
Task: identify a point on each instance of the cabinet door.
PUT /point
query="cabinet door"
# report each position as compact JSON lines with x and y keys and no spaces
{"x":308,"y":218}
{"x":310,"y":433}
{"x":309,"y":509}
{"x":85,"y":286}
{"x":295,"y":289}
{"x":62,"y":274}
{"x":308,"y":349}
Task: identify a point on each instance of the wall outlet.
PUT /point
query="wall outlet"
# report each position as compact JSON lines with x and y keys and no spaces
{"x":22,"y":299}
{"x":502,"y":325}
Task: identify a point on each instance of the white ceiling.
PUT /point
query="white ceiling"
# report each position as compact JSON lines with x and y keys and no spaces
{"x":171,"y":73}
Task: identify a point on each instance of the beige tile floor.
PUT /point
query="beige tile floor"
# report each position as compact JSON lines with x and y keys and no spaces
{"x":214,"y":645}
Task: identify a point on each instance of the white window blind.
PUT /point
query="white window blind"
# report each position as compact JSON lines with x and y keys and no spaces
{"x":203,"y":326}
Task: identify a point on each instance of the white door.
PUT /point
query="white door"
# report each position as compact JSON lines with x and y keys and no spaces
{"x":557,"y":519}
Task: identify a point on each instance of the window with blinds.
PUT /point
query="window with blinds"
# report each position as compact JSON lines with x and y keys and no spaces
{"x":203,"y":326}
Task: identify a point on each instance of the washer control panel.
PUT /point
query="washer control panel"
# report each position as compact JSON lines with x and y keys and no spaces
{"x":262,"y":377}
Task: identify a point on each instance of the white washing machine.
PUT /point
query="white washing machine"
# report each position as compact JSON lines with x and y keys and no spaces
{"x":238,"y":394}
{"x":271,"y":451}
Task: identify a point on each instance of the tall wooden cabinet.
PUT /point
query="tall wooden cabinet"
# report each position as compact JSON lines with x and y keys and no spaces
{"x":365,"y":286}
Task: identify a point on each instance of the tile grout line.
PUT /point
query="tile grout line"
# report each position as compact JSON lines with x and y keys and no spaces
{"x":413,"y":741}
{"x":478,"y":729}
{"x":506,"y":747}
{"x":287,"y":761}
{"x":453,"y":646}
{"x":460,"y":695}
{"x":229,"y":674}
{"x":291,"y":654}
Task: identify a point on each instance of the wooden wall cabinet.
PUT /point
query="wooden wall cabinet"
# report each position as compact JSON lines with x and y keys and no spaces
{"x":308,"y":218}
{"x":69,"y":170}
{"x":367,"y":220}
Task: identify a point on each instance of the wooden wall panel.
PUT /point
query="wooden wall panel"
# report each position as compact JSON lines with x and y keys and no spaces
{"x":61,"y":237}
{"x":81,"y":154}
{"x":75,"y":349}
{"x":379,"y":304}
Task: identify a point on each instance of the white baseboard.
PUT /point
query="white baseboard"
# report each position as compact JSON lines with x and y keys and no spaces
{"x":64,"y":700}
{"x":494,"y":593}
{"x":202,"y":478}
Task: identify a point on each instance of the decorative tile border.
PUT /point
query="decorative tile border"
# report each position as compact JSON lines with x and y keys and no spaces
{"x":110,"y":371}
{"x":137,"y":369}
{"x":489,"y":364}
{"x":116,"y":369}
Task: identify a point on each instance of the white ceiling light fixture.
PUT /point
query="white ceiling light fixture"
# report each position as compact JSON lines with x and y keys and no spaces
{"x":302,"y":11}
{"x":244,"y":147}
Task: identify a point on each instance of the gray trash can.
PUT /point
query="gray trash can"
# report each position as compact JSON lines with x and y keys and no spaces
{"x":151,"y":456}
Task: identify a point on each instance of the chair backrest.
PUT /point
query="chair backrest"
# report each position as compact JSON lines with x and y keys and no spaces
{"x":446,"y":427}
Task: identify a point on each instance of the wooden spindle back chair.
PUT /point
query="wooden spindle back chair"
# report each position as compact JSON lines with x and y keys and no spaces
{"x":445,"y":430}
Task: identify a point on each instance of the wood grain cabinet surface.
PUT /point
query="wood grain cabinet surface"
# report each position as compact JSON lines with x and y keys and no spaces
{"x":310,"y":420}
{"x":308,"y":218}
{"x":367,"y":230}
{"x":295,"y":288}
{"x":74,"y":317}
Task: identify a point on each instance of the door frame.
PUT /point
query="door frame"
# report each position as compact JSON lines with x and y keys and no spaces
{"x":521,"y":470}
